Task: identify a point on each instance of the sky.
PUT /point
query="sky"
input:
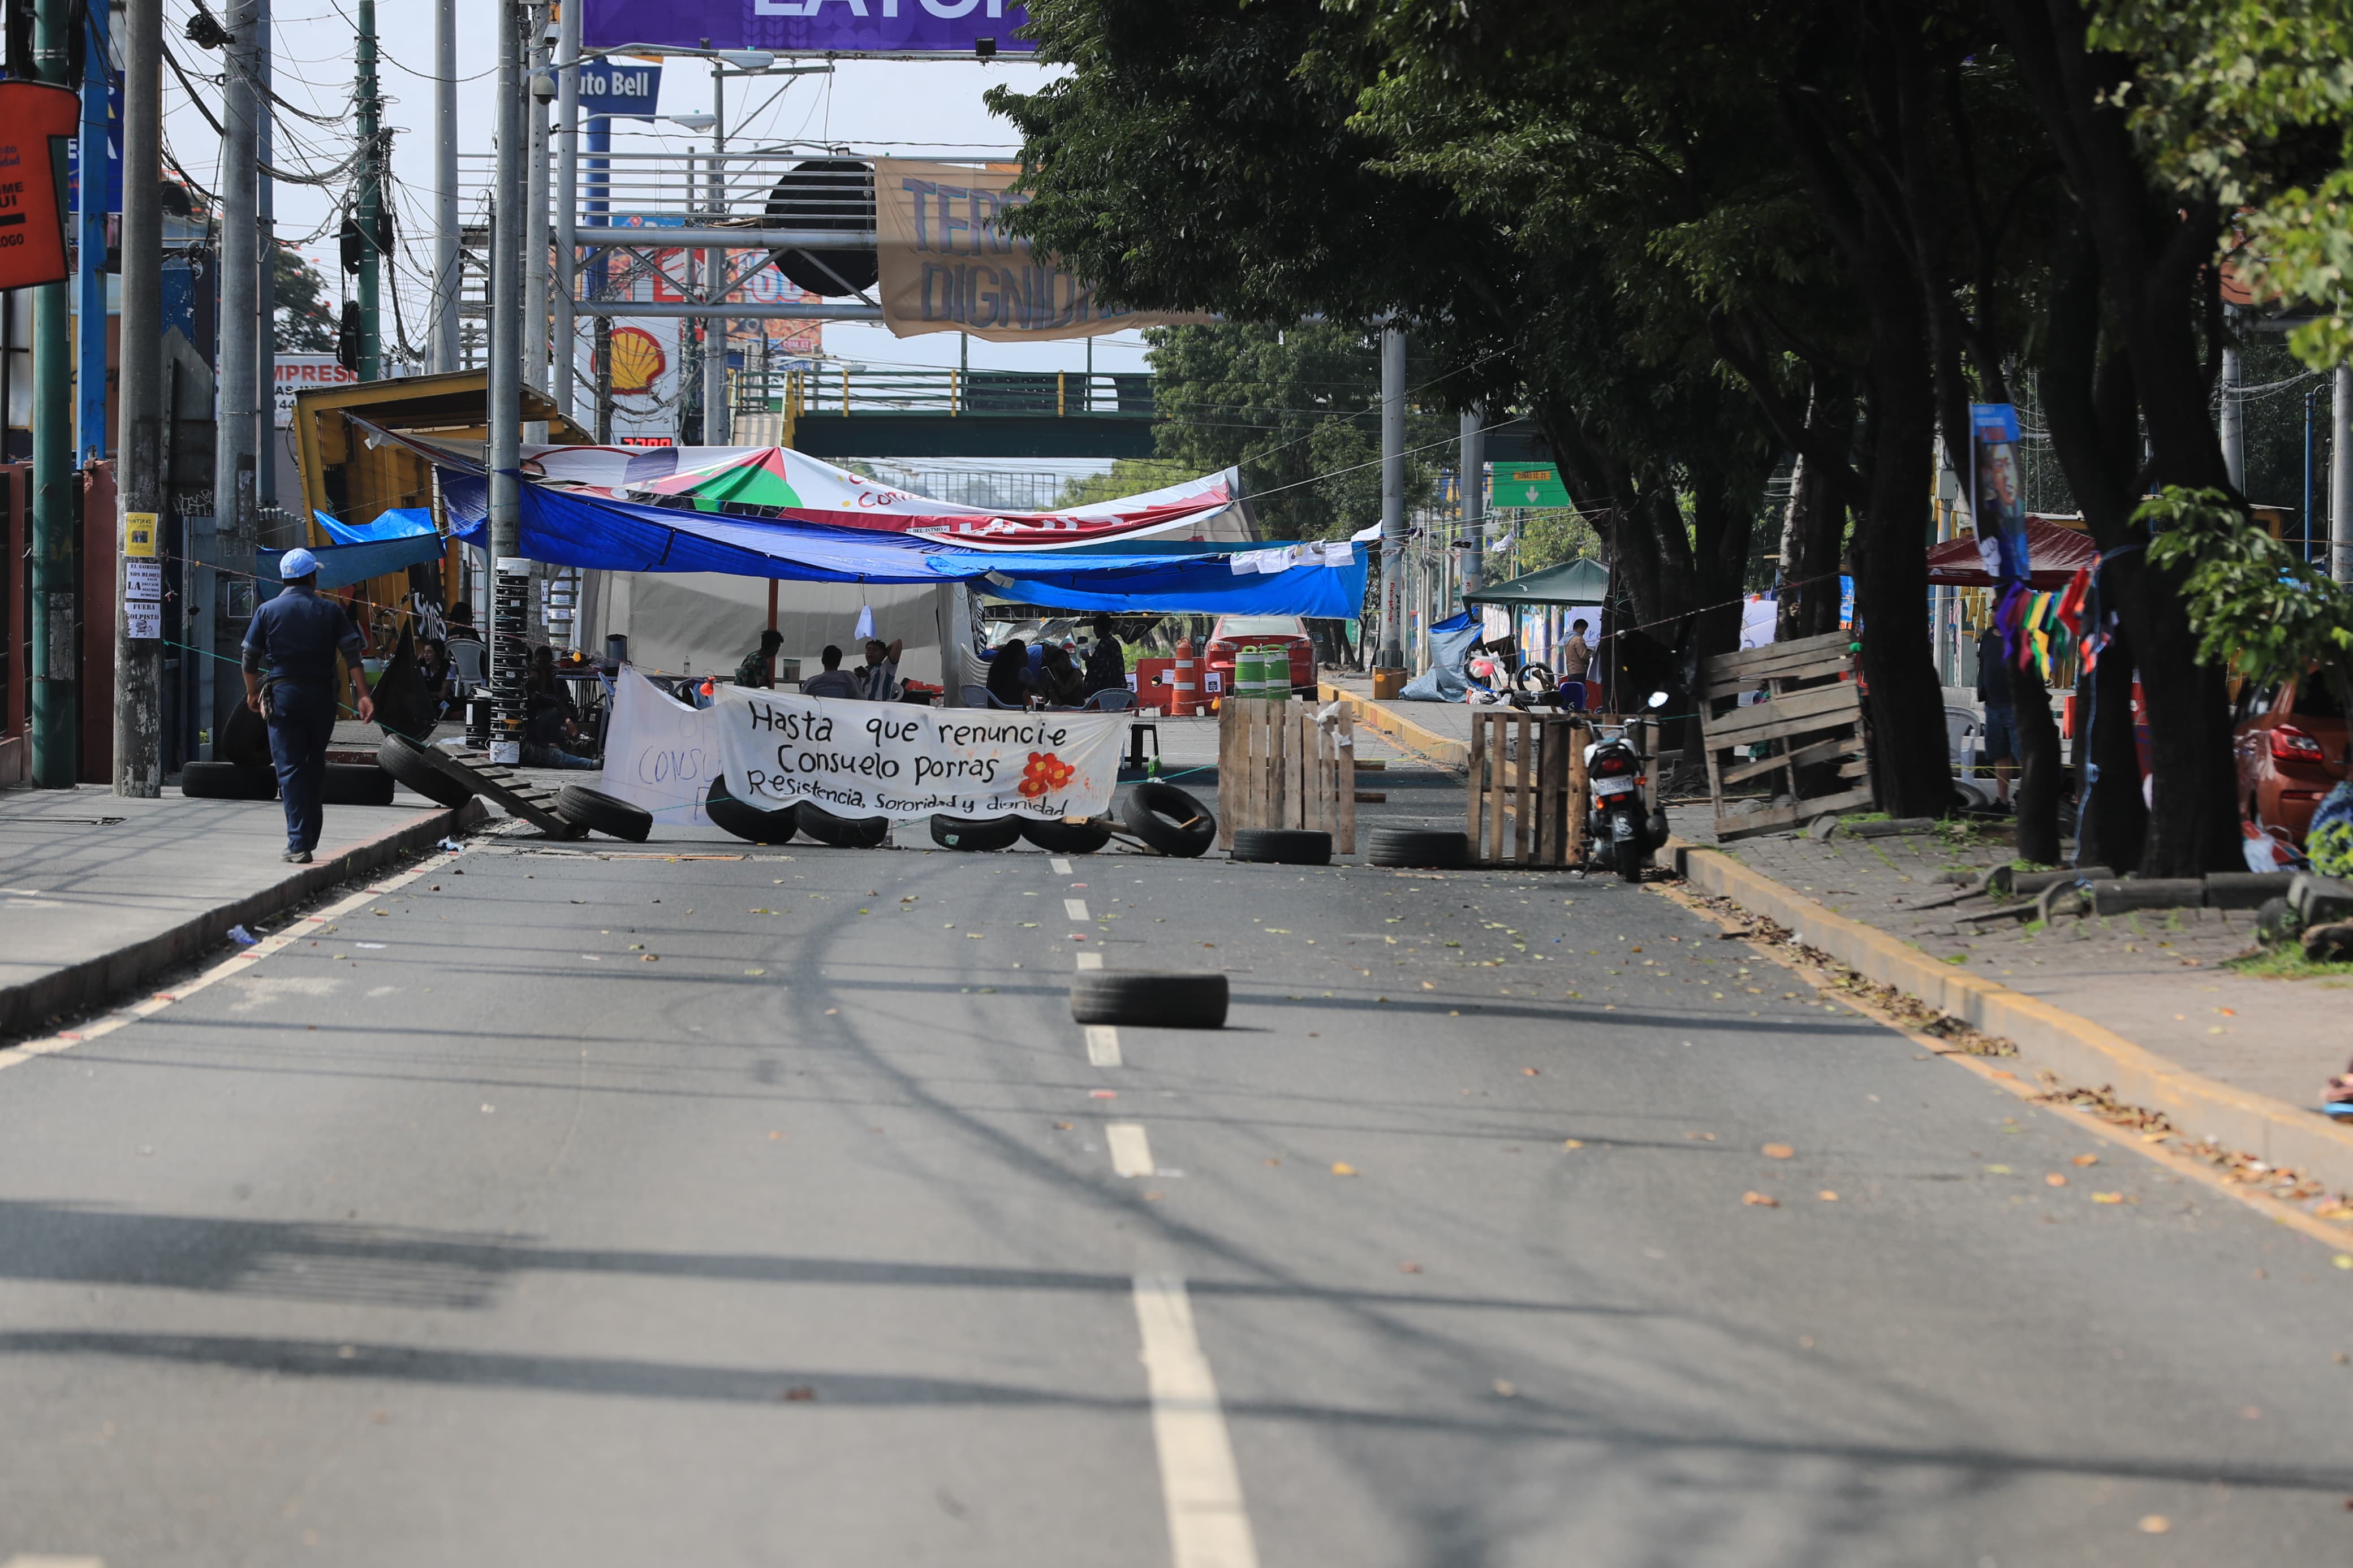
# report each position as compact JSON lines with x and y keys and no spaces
{"x":901,"y":107}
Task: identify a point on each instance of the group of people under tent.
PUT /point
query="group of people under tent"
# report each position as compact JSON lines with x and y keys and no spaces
{"x":1057,"y":677}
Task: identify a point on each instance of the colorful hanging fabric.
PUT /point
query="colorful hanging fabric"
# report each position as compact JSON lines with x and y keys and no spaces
{"x":2072,"y":602}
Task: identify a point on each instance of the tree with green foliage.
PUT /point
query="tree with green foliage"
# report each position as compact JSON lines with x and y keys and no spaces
{"x":306,"y":321}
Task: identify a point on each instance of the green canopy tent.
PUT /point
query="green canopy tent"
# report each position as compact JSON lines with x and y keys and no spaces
{"x":1579,"y":582}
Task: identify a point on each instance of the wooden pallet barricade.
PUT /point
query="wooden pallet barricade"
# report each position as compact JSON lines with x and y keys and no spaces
{"x":1802,"y":723}
{"x":1527,"y":788}
{"x":1285,"y":765}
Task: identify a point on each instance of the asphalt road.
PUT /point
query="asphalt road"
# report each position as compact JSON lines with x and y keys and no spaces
{"x":768,"y":1209}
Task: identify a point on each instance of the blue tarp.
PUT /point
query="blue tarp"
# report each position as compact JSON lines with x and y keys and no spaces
{"x":399,"y":522}
{"x":595,"y":532}
{"x":340,"y":565}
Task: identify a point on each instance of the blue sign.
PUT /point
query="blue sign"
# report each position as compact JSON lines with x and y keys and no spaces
{"x":113,"y":154}
{"x":607,"y":87}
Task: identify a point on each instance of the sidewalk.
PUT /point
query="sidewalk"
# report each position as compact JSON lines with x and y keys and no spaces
{"x":2237,"y":1044}
{"x":1437,"y":732}
{"x":98,"y":893}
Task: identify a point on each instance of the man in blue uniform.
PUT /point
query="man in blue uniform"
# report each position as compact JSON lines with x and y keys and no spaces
{"x":289,"y":680}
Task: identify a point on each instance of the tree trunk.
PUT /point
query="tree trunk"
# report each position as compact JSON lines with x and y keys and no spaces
{"x":2039,"y":774}
{"x":1813,"y":527}
{"x":2115,"y":823}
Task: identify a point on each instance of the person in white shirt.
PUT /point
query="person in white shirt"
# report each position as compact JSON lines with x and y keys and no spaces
{"x":880,"y":675}
{"x":832,"y":681}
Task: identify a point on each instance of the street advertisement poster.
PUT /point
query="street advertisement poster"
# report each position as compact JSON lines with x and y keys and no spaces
{"x":302,"y":372}
{"x":620,"y":89}
{"x":949,"y":265}
{"x":1998,"y":499}
{"x":885,"y":27}
{"x":660,"y":753}
{"x":899,"y":761}
{"x":34,"y":117}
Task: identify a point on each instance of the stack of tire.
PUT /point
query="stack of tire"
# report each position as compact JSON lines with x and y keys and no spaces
{"x":346,"y":784}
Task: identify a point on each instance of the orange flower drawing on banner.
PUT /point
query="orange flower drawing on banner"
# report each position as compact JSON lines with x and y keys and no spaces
{"x":1046,"y":773}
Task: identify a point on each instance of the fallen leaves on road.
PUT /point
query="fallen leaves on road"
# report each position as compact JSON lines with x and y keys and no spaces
{"x":1760,"y":1201}
{"x":2107,"y":1197}
{"x":653,"y":958}
{"x":2087,"y":1160}
{"x":1997,"y":1169}
{"x":1700,"y":1137}
{"x":798,"y":1395}
{"x":755,"y":972}
{"x":1061,"y":1127}
{"x":1827,"y":1196}
{"x":1527,"y":1072}
{"x":2054,"y":1180}
{"x":1409,"y":1268}
{"x":1572,"y":1142}
{"x":1341,"y":1168}
{"x":1779,"y":1151}
{"x":2155,"y":1524}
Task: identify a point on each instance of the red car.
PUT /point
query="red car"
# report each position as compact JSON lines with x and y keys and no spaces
{"x":1232,"y":632}
{"x":2290,"y":741}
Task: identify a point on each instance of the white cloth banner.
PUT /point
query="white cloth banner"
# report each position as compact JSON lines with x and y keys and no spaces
{"x":660,"y":753}
{"x":902,"y":761}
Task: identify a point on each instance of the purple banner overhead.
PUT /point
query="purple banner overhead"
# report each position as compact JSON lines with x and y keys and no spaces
{"x":963,"y":28}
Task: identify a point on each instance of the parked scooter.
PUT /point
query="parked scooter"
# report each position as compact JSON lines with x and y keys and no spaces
{"x":1621,"y":831}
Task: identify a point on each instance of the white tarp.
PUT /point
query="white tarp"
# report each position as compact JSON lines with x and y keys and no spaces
{"x":900,"y":761}
{"x":659,"y":752}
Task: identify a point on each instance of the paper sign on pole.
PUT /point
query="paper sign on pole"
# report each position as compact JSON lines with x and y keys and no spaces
{"x":139,"y":533}
{"x":899,"y":761}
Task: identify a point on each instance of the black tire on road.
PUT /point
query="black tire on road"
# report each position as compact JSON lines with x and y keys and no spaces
{"x":1165,"y":1000}
{"x":1282,"y":845}
{"x":1168,"y":819}
{"x":356,"y":784}
{"x":606,"y":813}
{"x":1425,"y":846}
{"x":226,"y":781}
{"x":405,"y":760}
{"x":754,"y":824}
{"x":1065,"y":837}
{"x":977,"y":833}
{"x":844,"y":832}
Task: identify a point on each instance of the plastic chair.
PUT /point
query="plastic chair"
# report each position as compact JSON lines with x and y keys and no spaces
{"x":468,"y":662}
{"x":1961,"y":729}
{"x":1109,"y":701}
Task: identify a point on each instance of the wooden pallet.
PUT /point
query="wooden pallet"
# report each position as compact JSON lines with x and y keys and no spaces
{"x":509,"y":789}
{"x":1801,"y":722}
{"x":1281,"y":764}
{"x":1526,"y":770}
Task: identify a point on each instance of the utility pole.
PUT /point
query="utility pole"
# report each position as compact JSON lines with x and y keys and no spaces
{"x":264,"y":273}
{"x":567,"y":201}
{"x":448,"y":355}
{"x":55,"y":749}
{"x":510,"y":574}
{"x":716,"y":414}
{"x":371,"y":198}
{"x":89,"y":260}
{"x":1473,"y":481}
{"x":137,"y":652}
{"x":1392,"y":653}
{"x":233,"y":441}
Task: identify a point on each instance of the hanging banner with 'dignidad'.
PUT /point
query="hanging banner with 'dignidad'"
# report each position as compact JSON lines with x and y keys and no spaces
{"x":899,"y":761}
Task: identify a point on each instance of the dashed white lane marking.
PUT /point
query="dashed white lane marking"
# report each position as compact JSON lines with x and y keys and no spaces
{"x":236,"y":964}
{"x":1091,"y":961}
{"x":43,"y":1560}
{"x":1198,"y":1482}
{"x":1062,"y":867}
{"x":1130,"y":1154}
{"x":1075,"y":908}
{"x":1103,"y":1049}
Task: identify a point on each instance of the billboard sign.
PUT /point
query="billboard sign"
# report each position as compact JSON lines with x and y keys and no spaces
{"x":622,"y":91}
{"x":303,"y":373}
{"x":962,"y":27}
{"x":37,"y":123}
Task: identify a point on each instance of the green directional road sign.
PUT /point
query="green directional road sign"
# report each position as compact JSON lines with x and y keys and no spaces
{"x":1525,"y":484}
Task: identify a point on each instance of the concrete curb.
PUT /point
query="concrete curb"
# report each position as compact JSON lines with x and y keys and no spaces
{"x":93,"y":982}
{"x":2080,"y":1052}
{"x":1443,"y":750}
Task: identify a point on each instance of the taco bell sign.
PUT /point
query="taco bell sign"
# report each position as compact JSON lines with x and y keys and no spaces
{"x":809,"y":26}
{"x":610,"y":88}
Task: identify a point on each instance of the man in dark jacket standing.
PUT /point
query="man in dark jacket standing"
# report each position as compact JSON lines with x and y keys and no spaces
{"x":290,"y":678}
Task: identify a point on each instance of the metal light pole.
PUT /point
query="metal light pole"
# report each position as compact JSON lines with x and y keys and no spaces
{"x":233,"y":443}
{"x":2233,"y":422}
{"x":265,"y":274}
{"x":535,"y":223}
{"x":2340,"y":477}
{"x":139,"y":660}
{"x":55,"y":749}
{"x":447,"y":352}
{"x":1474,"y":480}
{"x":567,"y":202}
{"x":1392,"y":653}
{"x":716,"y":414}
{"x":510,"y":573}
{"x":371,"y":196}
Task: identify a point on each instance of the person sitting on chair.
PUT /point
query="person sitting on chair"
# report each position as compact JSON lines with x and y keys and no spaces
{"x":1009,"y":674}
{"x":551,"y":737}
{"x":1060,"y":682}
{"x":759,"y":666}
{"x":878,"y":677}
{"x":433,"y":669}
{"x":832,"y":681}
